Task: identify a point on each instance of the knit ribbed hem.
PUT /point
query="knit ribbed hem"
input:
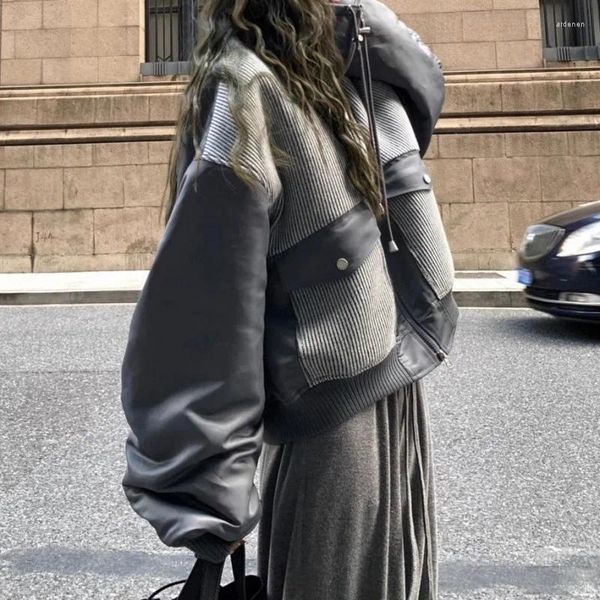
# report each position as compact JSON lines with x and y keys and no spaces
{"x":332,"y":402}
{"x":210,"y":548}
{"x":328,"y":404}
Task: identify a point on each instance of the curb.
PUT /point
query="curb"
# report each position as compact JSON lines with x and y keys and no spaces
{"x":66,"y":297}
{"x":471,"y":288}
{"x":483,"y":298}
{"x":491,"y":298}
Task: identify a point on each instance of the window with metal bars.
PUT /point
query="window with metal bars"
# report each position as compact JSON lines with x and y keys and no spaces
{"x":170,"y":31}
{"x":571,"y":29}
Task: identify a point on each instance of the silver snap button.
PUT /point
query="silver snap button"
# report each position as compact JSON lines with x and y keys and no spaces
{"x":342,"y":263}
{"x":426,"y":178}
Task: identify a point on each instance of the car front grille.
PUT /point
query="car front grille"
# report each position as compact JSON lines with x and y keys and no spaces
{"x":539,"y":239}
{"x":543,"y":293}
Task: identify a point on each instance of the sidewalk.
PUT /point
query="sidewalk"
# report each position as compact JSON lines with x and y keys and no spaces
{"x":472,"y":288}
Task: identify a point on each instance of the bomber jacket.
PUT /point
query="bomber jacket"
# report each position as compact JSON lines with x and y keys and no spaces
{"x":276,"y":311}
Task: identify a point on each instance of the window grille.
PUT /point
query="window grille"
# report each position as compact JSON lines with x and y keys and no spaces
{"x":170,"y":31}
{"x":571,"y":29}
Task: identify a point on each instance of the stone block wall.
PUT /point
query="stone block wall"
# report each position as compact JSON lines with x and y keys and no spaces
{"x":80,"y":41}
{"x":491,"y":186}
{"x":74,"y":207}
{"x":510,"y":150}
{"x":477,"y":34}
{"x":70,"y":41}
{"x":84,"y":144}
{"x":84,"y":191}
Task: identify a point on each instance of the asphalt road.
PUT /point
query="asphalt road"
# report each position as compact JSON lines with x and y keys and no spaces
{"x":516,"y":426}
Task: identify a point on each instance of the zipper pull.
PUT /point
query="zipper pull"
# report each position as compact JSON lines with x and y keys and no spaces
{"x":444,"y":358}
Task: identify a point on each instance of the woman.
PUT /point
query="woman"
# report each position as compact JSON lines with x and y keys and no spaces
{"x":284,"y":319}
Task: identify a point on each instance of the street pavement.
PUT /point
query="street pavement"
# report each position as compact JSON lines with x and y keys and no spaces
{"x":515,"y":422}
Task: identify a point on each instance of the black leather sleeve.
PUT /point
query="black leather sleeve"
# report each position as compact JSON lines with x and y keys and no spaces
{"x":192,"y":372}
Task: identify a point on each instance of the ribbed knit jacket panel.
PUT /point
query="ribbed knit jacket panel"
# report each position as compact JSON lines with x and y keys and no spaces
{"x":356,"y":314}
{"x":348,"y":329}
{"x":419,"y":217}
{"x":254,"y":153}
{"x":416,"y":212}
{"x":394,"y":131}
{"x":344,"y":326}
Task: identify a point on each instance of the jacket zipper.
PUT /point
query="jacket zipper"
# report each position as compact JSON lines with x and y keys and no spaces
{"x":440,"y":354}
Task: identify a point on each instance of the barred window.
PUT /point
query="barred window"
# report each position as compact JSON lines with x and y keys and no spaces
{"x":571,"y":29}
{"x":170,"y":31}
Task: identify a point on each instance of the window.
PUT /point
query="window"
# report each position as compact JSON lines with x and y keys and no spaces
{"x":170,"y":31}
{"x":571,"y":29}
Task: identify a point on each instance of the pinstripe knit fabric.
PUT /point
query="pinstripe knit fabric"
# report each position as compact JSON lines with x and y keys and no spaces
{"x":349,"y":324}
{"x":394,"y":131}
{"x":221,"y":133}
{"x":418,"y":215}
{"x":360,"y":324}
{"x":317,"y":190}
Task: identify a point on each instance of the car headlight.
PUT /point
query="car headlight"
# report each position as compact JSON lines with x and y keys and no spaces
{"x":584,"y":240}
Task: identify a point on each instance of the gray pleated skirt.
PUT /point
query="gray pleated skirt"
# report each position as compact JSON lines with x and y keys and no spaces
{"x":350,"y":514}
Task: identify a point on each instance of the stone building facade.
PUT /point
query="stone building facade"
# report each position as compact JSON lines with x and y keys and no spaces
{"x":84,"y":135}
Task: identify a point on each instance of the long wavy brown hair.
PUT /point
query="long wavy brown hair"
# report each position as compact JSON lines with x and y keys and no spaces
{"x":296,"y":38}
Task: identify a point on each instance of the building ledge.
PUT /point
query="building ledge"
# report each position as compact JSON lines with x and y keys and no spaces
{"x":526,"y":100}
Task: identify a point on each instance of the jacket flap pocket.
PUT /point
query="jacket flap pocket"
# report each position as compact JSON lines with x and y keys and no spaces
{"x":406,"y":173}
{"x":332,"y":252}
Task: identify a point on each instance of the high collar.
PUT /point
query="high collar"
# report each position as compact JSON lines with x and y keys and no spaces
{"x":344,"y":31}
{"x":399,"y":58}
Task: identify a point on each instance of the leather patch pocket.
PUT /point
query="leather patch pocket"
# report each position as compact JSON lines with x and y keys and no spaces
{"x":342,"y":297}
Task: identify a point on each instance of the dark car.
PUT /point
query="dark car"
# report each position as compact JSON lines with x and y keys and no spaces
{"x":559,"y":263}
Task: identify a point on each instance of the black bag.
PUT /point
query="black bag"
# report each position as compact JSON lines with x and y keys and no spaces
{"x":204,"y":581}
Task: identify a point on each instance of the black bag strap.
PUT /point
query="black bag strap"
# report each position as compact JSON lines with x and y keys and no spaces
{"x":204,"y":581}
{"x":238,"y":566}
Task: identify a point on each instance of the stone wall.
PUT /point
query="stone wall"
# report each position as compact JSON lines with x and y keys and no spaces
{"x":70,"y":41}
{"x":74,"y":207}
{"x":510,"y":150}
{"x":477,"y":34}
{"x":83,"y":192}
{"x":84,"y":143}
{"x":492,"y":185}
{"x":79,"y":41}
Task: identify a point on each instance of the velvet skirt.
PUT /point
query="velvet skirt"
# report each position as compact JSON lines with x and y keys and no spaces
{"x":350,"y":514}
